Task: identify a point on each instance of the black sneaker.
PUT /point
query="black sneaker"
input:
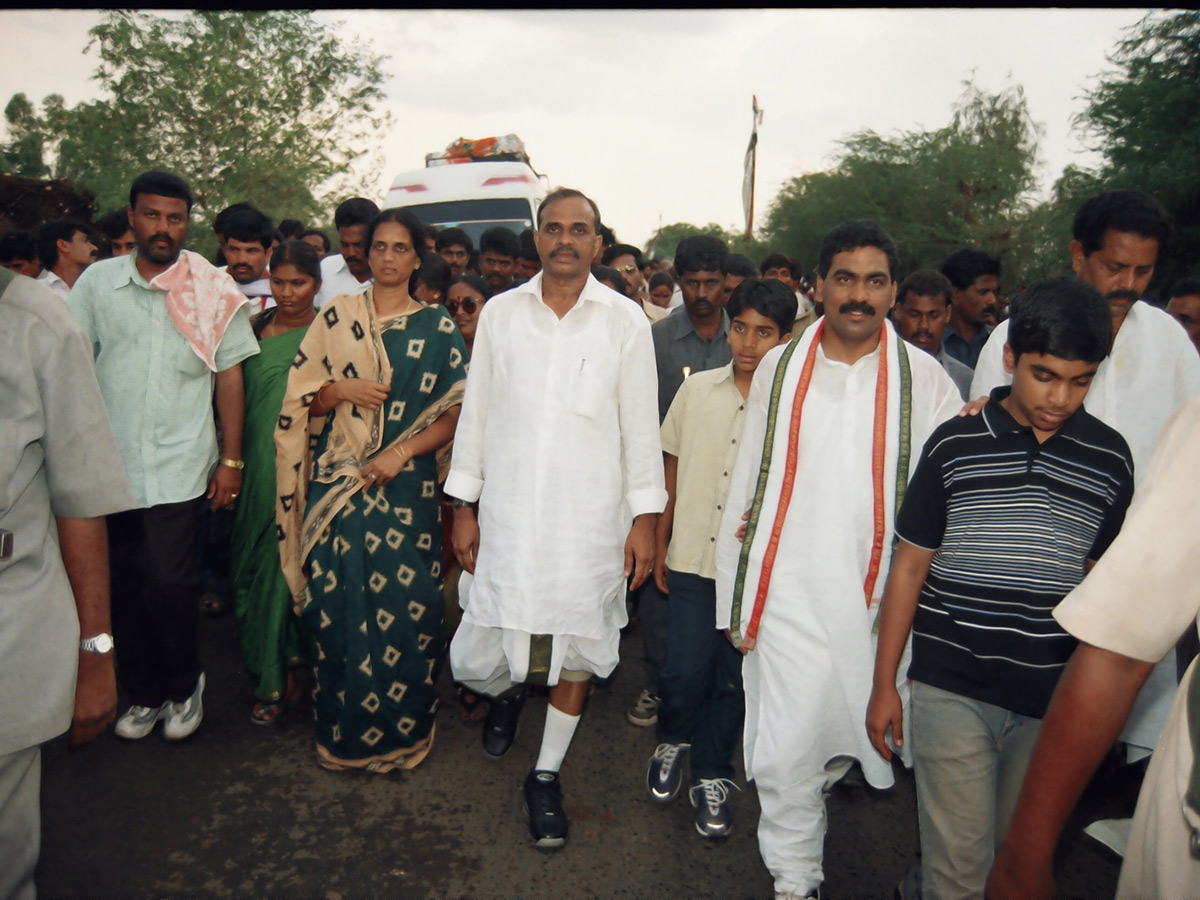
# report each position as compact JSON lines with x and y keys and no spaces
{"x":500,"y":726}
{"x":664,"y":775}
{"x":543,"y":803}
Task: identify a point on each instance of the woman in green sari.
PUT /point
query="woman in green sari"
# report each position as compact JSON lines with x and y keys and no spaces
{"x":362,"y":441}
{"x":267,"y":628}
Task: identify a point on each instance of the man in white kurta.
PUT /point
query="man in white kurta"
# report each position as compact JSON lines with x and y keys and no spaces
{"x":800,"y":594}
{"x":1151,"y":369}
{"x":558,"y":443}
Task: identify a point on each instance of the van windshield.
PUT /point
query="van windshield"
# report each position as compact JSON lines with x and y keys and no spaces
{"x":476,"y":216}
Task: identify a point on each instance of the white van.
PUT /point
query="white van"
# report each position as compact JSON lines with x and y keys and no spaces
{"x":472,"y":195}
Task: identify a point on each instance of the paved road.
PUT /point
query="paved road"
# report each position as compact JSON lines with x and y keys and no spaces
{"x":244,"y":811}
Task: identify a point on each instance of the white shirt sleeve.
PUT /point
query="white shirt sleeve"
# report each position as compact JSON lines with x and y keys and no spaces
{"x":465,"y":480}
{"x":989,"y":371}
{"x":641,"y":445}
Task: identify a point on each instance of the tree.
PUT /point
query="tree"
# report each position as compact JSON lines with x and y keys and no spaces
{"x":663,"y":242}
{"x":966,"y":184}
{"x":270,"y":107}
{"x":23,"y":154}
{"x":1144,"y":116}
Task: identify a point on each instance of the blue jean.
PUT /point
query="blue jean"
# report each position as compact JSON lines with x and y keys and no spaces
{"x":700,"y":686}
{"x":969,"y":758}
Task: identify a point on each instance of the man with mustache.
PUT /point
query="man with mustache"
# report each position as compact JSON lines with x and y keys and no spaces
{"x":974,"y":276}
{"x":834,"y":423}
{"x":693,"y":338}
{"x":247,"y":245}
{"x":348,"y":272}
{"x":166,"y":328}
{"x":1151,"y":368}
{"x":65,"y":250}
{"x":921,"y":315}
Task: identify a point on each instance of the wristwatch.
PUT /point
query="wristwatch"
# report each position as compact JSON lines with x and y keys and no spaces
{"x":458,"y":503}
{"x":238,"y":464}
{"x":101,"y":643}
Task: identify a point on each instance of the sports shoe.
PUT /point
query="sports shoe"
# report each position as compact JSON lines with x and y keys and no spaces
{"x":138,"y":721}
{"x":710,"y":796}
{"x":543,"y":803}
{"x":181,"y":719}
{"x":665,"y":772}
{"x":645,"y":711}
{"x":500,"y":726}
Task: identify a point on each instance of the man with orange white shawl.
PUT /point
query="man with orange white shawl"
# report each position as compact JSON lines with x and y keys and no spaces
{"x":834,"y":421}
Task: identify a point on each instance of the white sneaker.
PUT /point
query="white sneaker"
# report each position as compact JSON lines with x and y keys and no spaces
{"x":138,"y":721}
{"x":181,"y":719}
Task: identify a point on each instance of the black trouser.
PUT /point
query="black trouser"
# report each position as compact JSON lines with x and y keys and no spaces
{"x":155,"y":600}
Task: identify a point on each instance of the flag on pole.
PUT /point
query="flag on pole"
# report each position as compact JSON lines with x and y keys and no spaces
{"x":748,"y":176}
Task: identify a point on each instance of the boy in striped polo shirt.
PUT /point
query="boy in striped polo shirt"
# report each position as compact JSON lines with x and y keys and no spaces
{"x":1005,"y":513}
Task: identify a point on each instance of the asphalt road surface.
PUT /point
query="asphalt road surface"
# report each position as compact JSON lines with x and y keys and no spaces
{"x":244,"y":811}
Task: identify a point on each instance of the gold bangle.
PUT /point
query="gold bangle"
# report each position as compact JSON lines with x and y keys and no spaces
{"x":233,"y":463}
{"x":404,"y":457}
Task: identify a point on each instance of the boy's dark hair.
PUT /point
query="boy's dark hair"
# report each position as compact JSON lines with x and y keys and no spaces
{"x":612,"y":278}
{"x":528,"y":247}
{"x":1132,"y":212}
{"x":115,"y":224}
{"x":501,"y":241}
{"x":17,"y":245}
{"x":1187,"y":288}
{"x":779,"y":260}
{"x":322,"y":235}
{"x":740,"y":265}
{"x":434,"y":273}
{"x":766,"y":296}
{"x":564,"y":193}
{"x":1062,"y":317}
{"x":50,"y":234}
{"x":924,"y":283}
{"x":250,"y":226}
{"x":291,"y":229}
{"x":448,"y":237}
{"x":162,"y":184}
{"x":851,"y":236}
{"x":700,"y":253}
{"x":659,"y":279}
{"x":355,"y":211}
{"x":963,"y":266}
{"x":298,"y":254}
{"x":622,"y":250}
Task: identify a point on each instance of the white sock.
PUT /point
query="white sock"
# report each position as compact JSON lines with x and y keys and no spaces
{"x":560,"y":728}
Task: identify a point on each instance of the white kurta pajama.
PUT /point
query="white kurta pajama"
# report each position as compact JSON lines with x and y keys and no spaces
{"x":1152,"y":369}
{"x":558,"y":441}
{"x":808,"y":679}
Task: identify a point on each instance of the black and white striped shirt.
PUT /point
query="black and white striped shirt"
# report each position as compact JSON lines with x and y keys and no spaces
{"x":1013,"y":522}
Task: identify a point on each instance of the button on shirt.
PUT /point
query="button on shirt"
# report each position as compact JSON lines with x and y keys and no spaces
{"x":677,"y":346}
{"x":703,"y":428}
{"x":559,"y":443}
{"x":337,"y":280}
{"x":158,"y":392}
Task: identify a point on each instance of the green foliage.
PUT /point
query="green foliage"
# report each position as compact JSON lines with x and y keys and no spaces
{"x":23,"y":154}
{"x":663,"y":242}
{"x":1144,"y":116}
{"x":269,"y":107}
{"x":966,"y":184}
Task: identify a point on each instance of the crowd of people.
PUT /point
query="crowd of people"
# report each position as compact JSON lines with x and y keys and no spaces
{"x":856,"y":517}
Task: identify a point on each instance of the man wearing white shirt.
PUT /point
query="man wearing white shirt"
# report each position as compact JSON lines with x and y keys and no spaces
{"x":557,"y":481}
{"x":349,"y":272}
{"x":65,"y":250}
{"x":1151,"y":368}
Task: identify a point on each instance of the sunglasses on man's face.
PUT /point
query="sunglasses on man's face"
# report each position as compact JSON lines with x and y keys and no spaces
{"x":468,"y":306}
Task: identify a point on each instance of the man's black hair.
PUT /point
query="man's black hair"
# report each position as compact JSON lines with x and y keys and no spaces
{"x":565,"y":193}
{"x":700,"y":253}
{"x":114,"y":224}
{"x":528,"y":247}
{"x":221,"y":219}
{"x":963,"y":266}
{"x":612,"y":278}
{"x":449,"y":237}
{"x":622,"y":250}
{"x":1189,"y":287}
{"x":925,"y":283}
{"x":50,"y":234}
{"x":739,"y":264}
{"x":291,"y":229}
{"x":18,"y":245}
{"x":766,"y":296}
{"x":500,"y":241}
{"x":779,"y":261}
{"x":162,"y":184}
{"x":608,"y":237}
{"x":250,"y":226}
{"x":434,"y":273}
{"x":1062,"y":317}
{"x":851,"y":236}
{"x":1131,"y":212}
{"x":355,"y":211}
{"x":322,"y":235}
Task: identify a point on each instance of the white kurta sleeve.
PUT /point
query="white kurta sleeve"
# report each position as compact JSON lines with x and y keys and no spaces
{"x":465,"y":480}
{"x":989,"y":370}
{"x":637,"y":410}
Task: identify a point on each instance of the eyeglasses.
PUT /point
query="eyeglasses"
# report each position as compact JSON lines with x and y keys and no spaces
{"x":628,"y":270}
{"x":468,"y":306}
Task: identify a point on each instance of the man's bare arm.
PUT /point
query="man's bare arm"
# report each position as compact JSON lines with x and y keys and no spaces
{"x":1084,"y":719}
{"x":84,"y":545}
{"x":231,"y":410}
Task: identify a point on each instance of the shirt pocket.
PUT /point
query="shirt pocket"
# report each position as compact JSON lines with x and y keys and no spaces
{"x":592,"y":384}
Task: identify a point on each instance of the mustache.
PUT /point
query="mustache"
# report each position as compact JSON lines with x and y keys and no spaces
{"x":161,"y":236}
{"x":926,"y":335}
{"x":571,"y":250}
{"x":1131,"y":296}
{"x":858,"y":306}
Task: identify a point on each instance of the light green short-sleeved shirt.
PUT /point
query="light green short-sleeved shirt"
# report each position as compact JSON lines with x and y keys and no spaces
{"x":158,"y":392}
{"x":703,"y":428}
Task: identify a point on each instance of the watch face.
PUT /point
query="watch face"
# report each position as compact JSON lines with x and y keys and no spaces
{"x":101,"y":643}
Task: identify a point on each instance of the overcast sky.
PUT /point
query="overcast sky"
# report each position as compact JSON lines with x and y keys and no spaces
{"x":649,"y":112}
